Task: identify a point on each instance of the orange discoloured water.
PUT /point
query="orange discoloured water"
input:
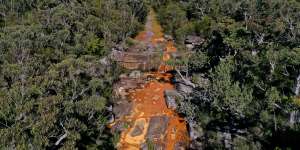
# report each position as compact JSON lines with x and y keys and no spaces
{"x":149,"y":101}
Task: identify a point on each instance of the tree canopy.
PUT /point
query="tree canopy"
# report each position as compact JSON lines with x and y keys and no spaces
{"x":55,"y":76}
{"x":251,"y":59}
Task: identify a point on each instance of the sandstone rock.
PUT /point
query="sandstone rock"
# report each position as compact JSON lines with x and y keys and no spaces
{"x":125,"y":84}
{"x":119,"y":48}
{"x":122,"y":93}
{"x":193,"y":41}
{"x":171,"y":97}
{"x":196,"y":145}
{"x":123,"y":76}
{"x":135,"y":74}
{"x":155,"y":98}
{"x":157,"y":127}
{"x":122,"y":109}
{"x":189,"y":46}
{"x":150,"y":146}
{"x":195,"y":131}
{"x":180,"y":146}
{"x":138,"y":129}
{"x":168,"y":37}
{"x":181,"y":87}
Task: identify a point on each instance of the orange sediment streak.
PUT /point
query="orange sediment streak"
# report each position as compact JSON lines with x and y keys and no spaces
{"x":149,"y":101}
{"x":153,"y":31}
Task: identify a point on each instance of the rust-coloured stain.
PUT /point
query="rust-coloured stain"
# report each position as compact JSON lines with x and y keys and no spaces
{"x":151,"y":119}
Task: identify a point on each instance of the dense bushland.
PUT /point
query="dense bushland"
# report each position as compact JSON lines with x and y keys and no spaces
{"x":251,"y":60}
{"x":55,"y":82}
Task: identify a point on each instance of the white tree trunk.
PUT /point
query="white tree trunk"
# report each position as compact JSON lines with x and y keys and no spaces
{"x":63,"y":136}
{"x":186,"y":81}
{"x":60,"y":139}
{"x":297,"y":89}
{"x":272,"y":67}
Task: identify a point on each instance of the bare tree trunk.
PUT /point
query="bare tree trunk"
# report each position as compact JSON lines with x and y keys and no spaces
{"x":246,"y":20}
{"x":63,"y":136}
{"x":297,"y":89}
{"x":275,"y":121}
{"x":79,"y":94}
{"x":186,"y":81}
{"x":272,"y":66}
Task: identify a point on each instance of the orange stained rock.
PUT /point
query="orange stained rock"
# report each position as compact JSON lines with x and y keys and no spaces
{"x":160,"y":76}
{"x":142,"y":36}
{"x":137,"y":140}
{"x":170,"y":47}
{"x":153,"y":31}
{"x":149,"y":101}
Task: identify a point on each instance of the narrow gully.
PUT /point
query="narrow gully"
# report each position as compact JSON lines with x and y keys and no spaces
{"x":152,"y":123}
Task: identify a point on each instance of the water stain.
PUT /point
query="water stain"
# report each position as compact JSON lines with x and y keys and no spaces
{"x":151,"y":119}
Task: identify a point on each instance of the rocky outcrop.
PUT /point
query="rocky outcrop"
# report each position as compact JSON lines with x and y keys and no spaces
{"x":152,"y":125}
{"x":151,"y":146}
{"x":172,"y":96}
{"x":135,"y":74}
{"x":122,"y":108}
{"x":126,"y":83}
{"x":180,"y":146}
{"x":196,"y":145}
{"x":183,"y":88}
{"x":119,"y":48}
{"x":192,"y":41}
{"x":138,"y":128}
{"x":157,"y":127}
{"x":195,"y":131}
{"x":168,"y":37}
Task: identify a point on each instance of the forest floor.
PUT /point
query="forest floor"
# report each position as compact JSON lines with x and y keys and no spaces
{"x":150,"y":124}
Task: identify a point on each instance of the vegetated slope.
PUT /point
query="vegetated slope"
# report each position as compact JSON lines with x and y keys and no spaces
{"x":54,"y":84}
{"x":247,"y":70}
